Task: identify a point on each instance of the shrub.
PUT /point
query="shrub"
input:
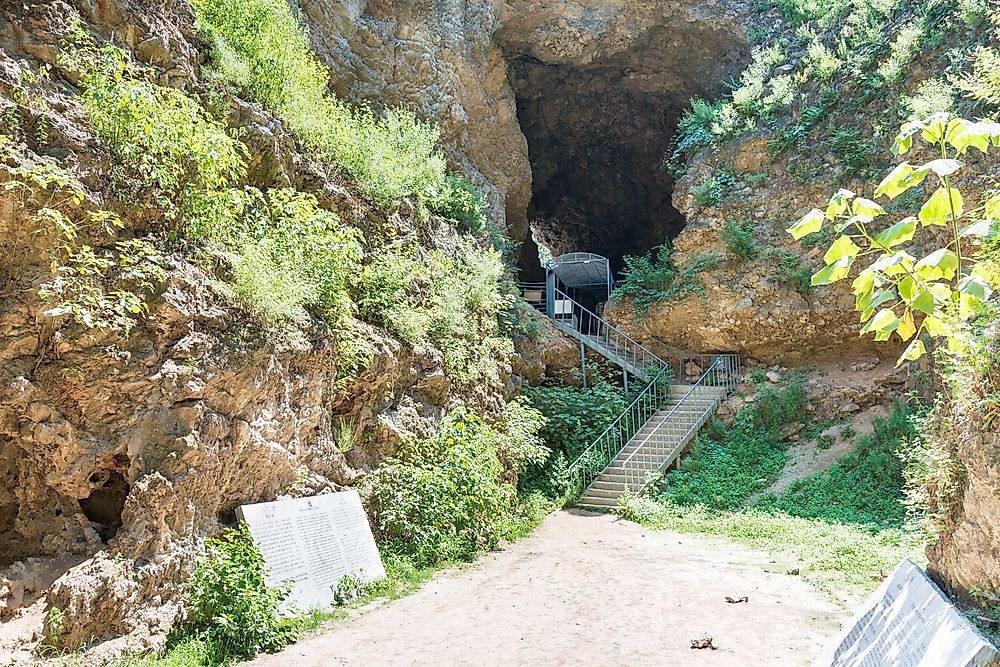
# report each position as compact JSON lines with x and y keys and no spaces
{"x":821,"y":62}
{"x":164,"y":144}
{"x":737,"y":236}
{"x":446,"y":498}
{"x":729,"y":464}
{"x":576,"y":417}
{"x":931,"y":97}
{"x":459,"y":200}
{"x":292,"y":254}
{"x":714,"y":188}
{"x":652,"y":278}
{"x":902,"y":52}
{"x":230,"y":606}
{"x":260,"y":47}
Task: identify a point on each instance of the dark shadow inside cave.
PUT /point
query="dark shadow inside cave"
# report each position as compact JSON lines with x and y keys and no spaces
{"x":597,"y":136}
{"x":105,"y":503}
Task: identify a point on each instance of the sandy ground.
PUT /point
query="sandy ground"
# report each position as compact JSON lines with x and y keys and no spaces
{"x":590,"y":588}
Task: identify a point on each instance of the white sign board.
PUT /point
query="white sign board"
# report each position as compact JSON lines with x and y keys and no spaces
{"x":908,"y":622}
{"x":312,"y":543}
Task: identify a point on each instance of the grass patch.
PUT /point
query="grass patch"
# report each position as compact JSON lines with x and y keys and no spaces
{"x":835,"y":557}
{"x":865,"y":487}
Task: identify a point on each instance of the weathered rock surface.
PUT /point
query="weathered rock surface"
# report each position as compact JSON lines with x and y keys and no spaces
{"x":440,"y":61}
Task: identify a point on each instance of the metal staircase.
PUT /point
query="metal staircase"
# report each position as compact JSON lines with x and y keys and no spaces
{"x":682,"y":392}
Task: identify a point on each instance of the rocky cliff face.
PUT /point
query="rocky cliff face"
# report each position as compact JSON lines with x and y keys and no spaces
{"x":120,"y":453}
{"x":439,"y":60}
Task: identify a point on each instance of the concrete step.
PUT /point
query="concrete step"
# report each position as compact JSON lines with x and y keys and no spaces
{"x":602,"y":503}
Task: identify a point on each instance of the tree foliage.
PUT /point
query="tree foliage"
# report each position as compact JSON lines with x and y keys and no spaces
{"x":915,"y":298}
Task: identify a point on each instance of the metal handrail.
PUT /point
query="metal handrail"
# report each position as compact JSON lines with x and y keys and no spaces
{"x":624,"y":427}
{"x":618,"y":346}
{"x":615,"y":343}
{"x":682,"y":405}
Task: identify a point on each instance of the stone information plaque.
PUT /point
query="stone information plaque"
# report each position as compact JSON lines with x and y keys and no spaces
{"x":908,"y":622}
{"x":312,"y":543}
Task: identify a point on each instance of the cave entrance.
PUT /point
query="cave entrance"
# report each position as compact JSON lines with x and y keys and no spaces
{"x":598,"y":132}
{"x":105,"y":504}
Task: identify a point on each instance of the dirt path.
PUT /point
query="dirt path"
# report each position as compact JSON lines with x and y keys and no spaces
{"x":589,"y":588}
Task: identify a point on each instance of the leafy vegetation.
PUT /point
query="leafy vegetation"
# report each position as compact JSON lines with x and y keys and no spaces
{"x":727,"y":465}
{"x":232,"y":611}
{"x":654,"y":277}
{"x":864,"y":487}
{"x":737,"y":236}
{"x":576,"y":417}
{"x":898,"y":293}
{"x":450,"y":496}
{"x":260,"y":48}
{"x":836,"y":557}
{"x":844,"y":55}
{"x":714,"y":188}
{"x":451,"y":301}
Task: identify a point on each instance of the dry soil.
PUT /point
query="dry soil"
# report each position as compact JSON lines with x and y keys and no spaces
{"x":590,"y":589}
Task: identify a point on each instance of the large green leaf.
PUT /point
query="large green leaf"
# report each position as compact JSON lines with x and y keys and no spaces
{"x":894,"y":264}
{"x":901,"y":232}
{"x":899,"y":180}
{"x":981,"y":228}
{"x":842,"y":247}
{"x":942,"y":263}
{"x":810,"y":223}
{"x":904,"y":140}
{"x":943,"y":167}
{"x":885,"y":320}
{"x":865,"y":282}
{"x":913,"y":351}
{"x":924,"y":302}
{"x":832,"y":273}
{"x":936,"y":129}
{"x":977,"y":135}
{"x":941,"y":207}
{"x":866,"y":209}
{"x":838,"y":203}
{"x":974,"y":287}
{"x":874,"y":299}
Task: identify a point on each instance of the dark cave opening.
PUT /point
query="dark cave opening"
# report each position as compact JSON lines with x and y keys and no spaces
{"x":598,"y":133}
{"x":106,"y":502}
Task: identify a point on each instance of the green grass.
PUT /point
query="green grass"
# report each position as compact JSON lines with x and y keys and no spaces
{"x":839,"y":527}
{"x":403,"y":577}
{"x":838,"y":558}
{"x":865,"y":487}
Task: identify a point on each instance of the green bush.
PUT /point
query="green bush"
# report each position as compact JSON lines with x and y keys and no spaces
{"x":653,"y":278}
{"x":447,"y":497}
{"x":931,"y":97}
{"x":230,"y":607}
{"x":714,"y":188}
{"x":458,"y":199}
{"x":453,"y":303}
{"x":737,"y":236}
{"x":167,"y":150}
{"x":576,"y":417}
{"x":288,"y":253}
{"x":260,"y":47}
{"x":292,"y":254}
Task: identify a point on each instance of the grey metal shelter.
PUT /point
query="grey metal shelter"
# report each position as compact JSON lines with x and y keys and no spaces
{"x":582,"y":276}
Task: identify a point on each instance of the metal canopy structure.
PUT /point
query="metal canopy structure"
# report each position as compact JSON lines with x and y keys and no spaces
{"x":582,"y":270}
